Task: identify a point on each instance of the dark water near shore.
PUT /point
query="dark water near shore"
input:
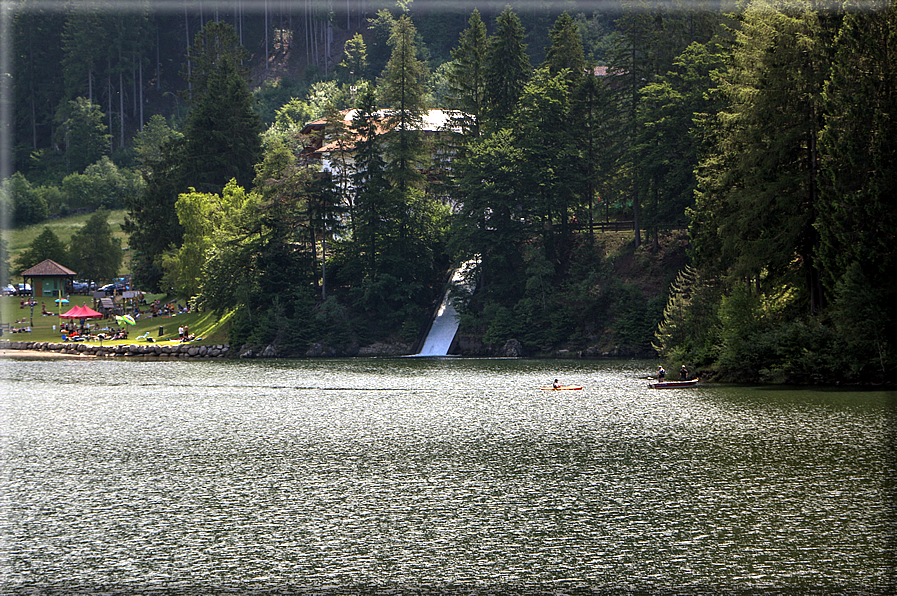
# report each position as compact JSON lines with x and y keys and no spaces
{"x":455,"y":475}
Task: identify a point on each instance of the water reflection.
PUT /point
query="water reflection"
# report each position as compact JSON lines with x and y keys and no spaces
{"x":449,"y":474}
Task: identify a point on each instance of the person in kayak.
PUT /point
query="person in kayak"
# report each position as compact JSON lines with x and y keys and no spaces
{"x":556,"y":384}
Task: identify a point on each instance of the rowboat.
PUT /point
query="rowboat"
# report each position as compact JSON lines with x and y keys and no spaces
{"x":563,"y":388}
{"x":673,"y":384}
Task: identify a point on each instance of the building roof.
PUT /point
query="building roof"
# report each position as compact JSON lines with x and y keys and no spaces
{"x":48,"y":268}
{"x":433,"y":121}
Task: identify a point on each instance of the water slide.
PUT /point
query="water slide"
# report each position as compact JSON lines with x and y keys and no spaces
{"x":445,"y":323}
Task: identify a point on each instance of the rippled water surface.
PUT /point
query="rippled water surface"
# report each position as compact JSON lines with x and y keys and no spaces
{"x":437,"y":473}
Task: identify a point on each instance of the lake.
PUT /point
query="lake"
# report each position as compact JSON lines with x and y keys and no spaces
{"x":437,"y":475}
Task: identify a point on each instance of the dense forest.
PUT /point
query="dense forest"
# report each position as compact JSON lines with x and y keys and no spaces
{"x":767,"y":132}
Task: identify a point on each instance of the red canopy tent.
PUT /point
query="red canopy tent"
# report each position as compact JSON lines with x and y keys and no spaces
{"x":81,"y":312}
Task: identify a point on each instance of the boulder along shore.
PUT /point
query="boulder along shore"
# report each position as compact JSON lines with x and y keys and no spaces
{"x":38,"y":349}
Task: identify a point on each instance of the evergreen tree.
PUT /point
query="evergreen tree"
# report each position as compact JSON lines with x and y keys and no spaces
{"x":221,"y":142}
{"x":550,"y":155}
{"x":372,"y":192}
{"x":859,"y":143}
{"x":565,"y":52}
{"x":667,"y":141}
{"x":467,"y":77}
{"x":215,"y":46}
{"x":762,"y":180}
{"x":37,"y":54}
{"x":507,"y":69}
{"x":490,"y":223}
{"x":222,"y":133}
{"x":402,"y":91}
{"x":858,"y":248}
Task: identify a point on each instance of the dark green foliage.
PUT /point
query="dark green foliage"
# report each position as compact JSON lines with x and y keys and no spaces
{"x":690,"y":326}
{"x":565,"y":52}
{"x":95,"y":254}
{"x":636,"y":317}
{"x":152,"y":220}
{"x":38,"y":80}
{"x":46,"y":246}
{"x":83,"y":134}
{"x":508,"y":68}
{"x":858,"y":245}
{"x":863,"y":315}
{"x":25,"y":203}
{"x":221,"y":135}
{"x":221,"y":142}
{"x":402,"y":91}
{"x":467,"y":77}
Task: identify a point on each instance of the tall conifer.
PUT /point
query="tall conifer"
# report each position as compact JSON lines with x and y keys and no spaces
{"x":507,"y":68}
{"x":467,"y":75}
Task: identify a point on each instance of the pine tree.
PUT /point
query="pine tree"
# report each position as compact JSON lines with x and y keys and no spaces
{"x":565,"y":52}
{"x":402,"y":91}
{"x":221,"y":142}
{"x":467,"y":75}
{"x":761,"y":181}
{"x":858,"y":247}
{"x":507,"y":69}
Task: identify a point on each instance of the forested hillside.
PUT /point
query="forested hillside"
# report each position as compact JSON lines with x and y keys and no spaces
{"x":768,"y":133}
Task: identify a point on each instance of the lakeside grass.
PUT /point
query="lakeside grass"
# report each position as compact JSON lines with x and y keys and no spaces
{"x":203,"y":325}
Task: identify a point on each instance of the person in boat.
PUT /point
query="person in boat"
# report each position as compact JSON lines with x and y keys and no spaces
{"x":556,"y":384}
{"x":683,"y":373}
{"x":661,"y":374}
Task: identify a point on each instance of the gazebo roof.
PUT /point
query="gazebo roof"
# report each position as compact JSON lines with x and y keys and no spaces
{"x":48,"y":268}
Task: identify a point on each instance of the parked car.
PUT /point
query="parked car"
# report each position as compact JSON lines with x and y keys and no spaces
{"x":83,"y":287}
{"x":10,"y":290}
{"x":23,"y":289}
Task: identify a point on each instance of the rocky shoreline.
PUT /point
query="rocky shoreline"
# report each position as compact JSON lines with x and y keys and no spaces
{"x":160,"y":351}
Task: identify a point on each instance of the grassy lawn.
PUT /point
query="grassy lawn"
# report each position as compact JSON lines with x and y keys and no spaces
{"x":203,"y":325}
{"x":46,"y":327}
{"x":21,"y":238}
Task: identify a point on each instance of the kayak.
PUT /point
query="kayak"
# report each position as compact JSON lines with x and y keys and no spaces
{"x":673,"y":384}
{"x":563,"y":388}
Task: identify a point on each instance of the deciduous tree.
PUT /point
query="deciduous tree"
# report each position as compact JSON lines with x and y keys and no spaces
{"x":95,"y":253}
{"x":47,"y":245}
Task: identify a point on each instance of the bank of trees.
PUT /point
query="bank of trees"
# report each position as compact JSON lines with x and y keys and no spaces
{"x":365,"y":246}
{"x":791,"y":233}
{"x":746,"y":126}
